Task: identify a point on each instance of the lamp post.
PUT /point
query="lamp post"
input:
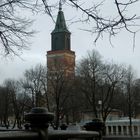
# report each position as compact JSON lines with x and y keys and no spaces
{"x":100,"y":109}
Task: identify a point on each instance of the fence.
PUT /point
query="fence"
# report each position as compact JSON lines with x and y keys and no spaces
{"x":36,"y":128}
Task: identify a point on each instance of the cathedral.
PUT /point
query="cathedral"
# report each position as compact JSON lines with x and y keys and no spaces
{"x":60,"y":68}
{"x":61,"y":57}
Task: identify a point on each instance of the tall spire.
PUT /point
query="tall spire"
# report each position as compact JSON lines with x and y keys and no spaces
{"x":60,"y":34}
{"x":60,"y":25}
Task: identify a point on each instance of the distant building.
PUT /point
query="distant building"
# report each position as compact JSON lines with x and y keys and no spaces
{"x":115,"y":124}
{"x":121,"y":127}
{"x":113,"y":115}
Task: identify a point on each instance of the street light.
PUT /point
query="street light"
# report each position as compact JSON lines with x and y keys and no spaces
{"x":100,"y":109}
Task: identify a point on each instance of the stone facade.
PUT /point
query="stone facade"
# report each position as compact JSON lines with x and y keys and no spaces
{"x":61,"y":60}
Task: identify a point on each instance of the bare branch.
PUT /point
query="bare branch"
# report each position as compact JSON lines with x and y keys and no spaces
{"x":14,"y":31}
{"x":109,"y":25}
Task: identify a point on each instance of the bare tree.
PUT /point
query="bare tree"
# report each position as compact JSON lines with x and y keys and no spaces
{"x":5,"y":106}
{"x":59,"y":89}
{"x":44,"y":80}
{"x":100,"y":82}
{"x":76,"y":101}
{"x":129,"y":83}
{"x":89,"y":71}
{"x":18,"y":100}
{"x":112,"y":77}
{"x":136,"y":96}
{"x":33,"y":83}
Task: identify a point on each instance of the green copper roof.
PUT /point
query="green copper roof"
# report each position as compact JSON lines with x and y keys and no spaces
{"x":60,"y":25}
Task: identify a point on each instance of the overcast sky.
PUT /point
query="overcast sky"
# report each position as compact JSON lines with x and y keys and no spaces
{"x":81,"y":42}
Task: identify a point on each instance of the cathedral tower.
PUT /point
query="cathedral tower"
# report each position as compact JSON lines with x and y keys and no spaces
{"x":61,"y":56}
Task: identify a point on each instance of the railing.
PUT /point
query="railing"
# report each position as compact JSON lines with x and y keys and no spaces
{"x":36,"y":128}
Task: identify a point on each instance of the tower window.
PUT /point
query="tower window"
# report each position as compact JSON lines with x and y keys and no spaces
{"x":68,"y":43}
{"x":56,"y":43}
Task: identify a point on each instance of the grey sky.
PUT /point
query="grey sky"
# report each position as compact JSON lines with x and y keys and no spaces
{"x":81,"y":42}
